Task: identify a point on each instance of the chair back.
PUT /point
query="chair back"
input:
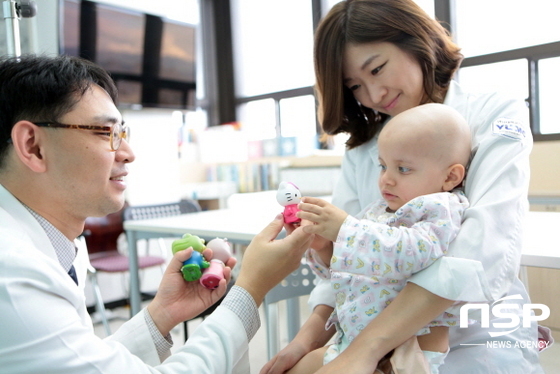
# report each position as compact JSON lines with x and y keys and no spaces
{"x":160,"y":210}
{"x":299,"y":283}
{"x":101,"y":233}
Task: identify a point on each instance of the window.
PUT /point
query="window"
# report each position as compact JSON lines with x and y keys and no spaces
{"x":427,"y":5}
{"x":493,"y":26}
{"x":512,"y":46}
{"x":509,"y":46}
{"x":257,"y":118}
{"x":549,"y":81}
{"x":273,"y":69}
{"x":273,"y":44}
{"x":509,"y":77}
{"x":295,"y":115}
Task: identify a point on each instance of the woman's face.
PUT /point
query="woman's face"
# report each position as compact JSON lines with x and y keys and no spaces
{"x":382,"y":77}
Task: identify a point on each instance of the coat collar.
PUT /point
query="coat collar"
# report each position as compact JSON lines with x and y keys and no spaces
{"x":18,"y":217}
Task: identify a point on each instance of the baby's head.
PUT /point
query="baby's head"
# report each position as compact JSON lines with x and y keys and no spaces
{"x":422,"y":150}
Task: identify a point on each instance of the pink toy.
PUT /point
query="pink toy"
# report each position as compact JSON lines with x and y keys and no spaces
{"x":289,"y":197}
{"x":221,"y":254}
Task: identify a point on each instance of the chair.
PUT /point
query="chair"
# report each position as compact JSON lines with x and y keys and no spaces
{"x":101,"y":235}
{"x":297,"y":284}
{"x":92,"y":276}
{"x":160,"y":211}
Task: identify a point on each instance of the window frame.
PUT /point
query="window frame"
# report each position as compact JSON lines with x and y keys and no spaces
{"x":445,"y":12}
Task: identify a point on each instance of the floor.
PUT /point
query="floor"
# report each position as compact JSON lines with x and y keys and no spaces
{"x":550,"y":358}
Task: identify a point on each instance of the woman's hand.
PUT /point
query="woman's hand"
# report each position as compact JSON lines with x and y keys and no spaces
{"x":327,"y":218}
{"x":178,"y":300}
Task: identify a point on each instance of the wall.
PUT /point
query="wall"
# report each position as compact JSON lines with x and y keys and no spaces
{"x":545,"y":169}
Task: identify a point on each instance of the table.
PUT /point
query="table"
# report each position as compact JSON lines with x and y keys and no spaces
{"x":541,"y":246}
{"x":238,"y":225}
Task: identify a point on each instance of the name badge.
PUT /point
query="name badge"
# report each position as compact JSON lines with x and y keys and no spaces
{"x":508,"y":128}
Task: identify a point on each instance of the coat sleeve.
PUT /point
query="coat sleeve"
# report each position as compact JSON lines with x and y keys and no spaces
{"x":484,"y":259}
{"x":39,"y":312}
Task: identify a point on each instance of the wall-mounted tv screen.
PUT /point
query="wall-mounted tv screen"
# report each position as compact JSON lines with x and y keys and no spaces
{"x":151,"y":59}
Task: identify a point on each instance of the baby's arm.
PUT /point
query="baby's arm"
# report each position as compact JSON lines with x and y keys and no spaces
{"x":321,"y":246}
{"x":327,"y":218}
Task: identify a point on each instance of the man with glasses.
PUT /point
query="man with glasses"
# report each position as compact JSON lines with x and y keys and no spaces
{"x":63,"y":157}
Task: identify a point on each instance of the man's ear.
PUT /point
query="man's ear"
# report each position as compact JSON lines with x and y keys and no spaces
{"x":28,"y":145}
{"x":455,"y":175}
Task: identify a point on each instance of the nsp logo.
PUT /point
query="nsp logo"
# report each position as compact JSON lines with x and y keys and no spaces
{"x":503,"y":310}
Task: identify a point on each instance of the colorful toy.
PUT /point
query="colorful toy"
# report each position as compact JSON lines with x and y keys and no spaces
{"x":289,"y":197}
{"x":196,"y":267}
{"x":192,"y":268}
{"x":221,"y":254}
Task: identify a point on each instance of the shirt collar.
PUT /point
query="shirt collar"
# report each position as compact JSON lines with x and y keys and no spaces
{"x":64,"y":248}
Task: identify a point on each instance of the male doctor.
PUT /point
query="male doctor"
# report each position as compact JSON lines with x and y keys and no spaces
{"x":63,"y":157}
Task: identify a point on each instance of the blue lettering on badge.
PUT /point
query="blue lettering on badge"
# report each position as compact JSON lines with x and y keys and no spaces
{"x":508,"y":128}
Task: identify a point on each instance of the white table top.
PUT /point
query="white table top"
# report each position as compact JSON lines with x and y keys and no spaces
{"x":237,"y":225}
{"x":541,"y":245}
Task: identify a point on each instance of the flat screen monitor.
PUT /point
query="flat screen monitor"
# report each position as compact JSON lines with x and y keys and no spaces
{"x":151,"y":58}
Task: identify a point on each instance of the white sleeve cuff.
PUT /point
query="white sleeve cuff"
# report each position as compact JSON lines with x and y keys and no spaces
{"x":322,"y":294}
{"x":455,"y":278}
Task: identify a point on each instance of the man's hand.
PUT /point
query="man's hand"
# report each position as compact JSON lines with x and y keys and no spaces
{"x":178,"y":300}
{"x":267,"y":261}
{"x":327,"y":218}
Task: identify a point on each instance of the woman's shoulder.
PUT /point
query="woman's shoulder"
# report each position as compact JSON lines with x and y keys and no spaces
{"x":494,"y":111}
{"x":359,"y":152}
{"x":480,"y":103}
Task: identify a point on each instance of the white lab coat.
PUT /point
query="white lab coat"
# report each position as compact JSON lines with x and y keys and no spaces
{"x":483,"y":261}
{"x":45,"y":327}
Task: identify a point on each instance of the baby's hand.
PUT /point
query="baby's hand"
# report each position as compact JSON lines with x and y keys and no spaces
{"x":327,"y":219}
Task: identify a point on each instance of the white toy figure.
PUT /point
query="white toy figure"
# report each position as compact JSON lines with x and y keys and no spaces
{"x":289,"y":196}
{"x":220,"y":255}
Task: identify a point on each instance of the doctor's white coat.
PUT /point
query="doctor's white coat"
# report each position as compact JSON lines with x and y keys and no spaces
{"x":45,"y":327}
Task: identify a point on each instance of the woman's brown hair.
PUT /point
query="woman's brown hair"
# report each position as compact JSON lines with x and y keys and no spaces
{"x":400,"y":22}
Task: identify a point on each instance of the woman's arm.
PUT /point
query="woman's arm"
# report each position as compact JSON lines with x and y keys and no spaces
{"x":412,"y":309}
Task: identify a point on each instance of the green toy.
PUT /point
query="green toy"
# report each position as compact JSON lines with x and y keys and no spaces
{"x":192,"y":268}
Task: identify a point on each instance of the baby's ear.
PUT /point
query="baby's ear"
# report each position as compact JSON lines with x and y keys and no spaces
{"x":455,"y":175}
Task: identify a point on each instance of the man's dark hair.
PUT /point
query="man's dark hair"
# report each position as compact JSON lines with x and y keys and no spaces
{"x":43,"y":89}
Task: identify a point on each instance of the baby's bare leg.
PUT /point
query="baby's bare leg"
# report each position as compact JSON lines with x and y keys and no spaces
{"x":310,"y":363}
{"x":436,"y":341}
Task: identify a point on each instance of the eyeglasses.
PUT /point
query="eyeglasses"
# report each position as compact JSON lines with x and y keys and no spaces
{"x":117,"y":131}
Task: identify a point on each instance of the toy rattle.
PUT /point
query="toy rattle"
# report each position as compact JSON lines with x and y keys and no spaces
{"x":196,"y":267}
{"x":289,"y":196}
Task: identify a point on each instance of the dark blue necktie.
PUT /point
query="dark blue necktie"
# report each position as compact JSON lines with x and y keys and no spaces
{"x":72,"y":274}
